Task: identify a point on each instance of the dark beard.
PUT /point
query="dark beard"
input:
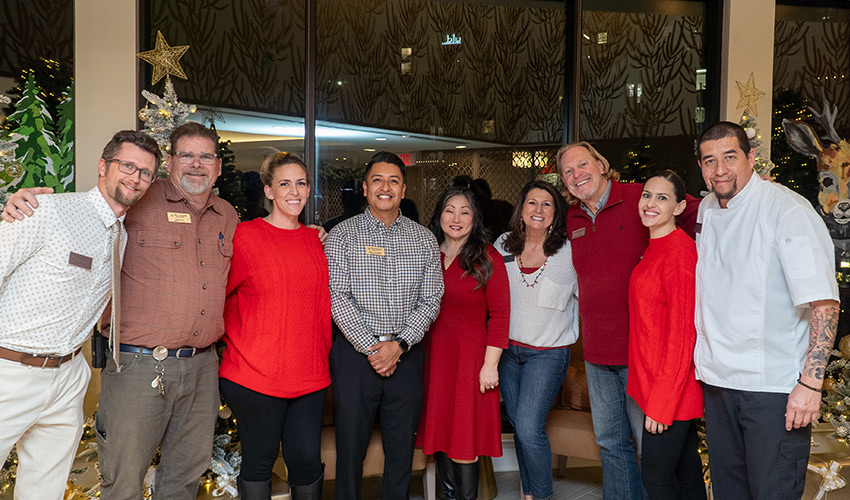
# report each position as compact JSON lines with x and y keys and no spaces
{"x":119,"y":197}
{"x":728,"y":194}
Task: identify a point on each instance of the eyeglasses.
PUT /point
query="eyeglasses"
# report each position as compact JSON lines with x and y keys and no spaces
{"x":188,"y":157}
{"x":131,"y":168}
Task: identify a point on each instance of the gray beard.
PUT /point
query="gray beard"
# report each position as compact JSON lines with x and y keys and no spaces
{"x":194,"y":188}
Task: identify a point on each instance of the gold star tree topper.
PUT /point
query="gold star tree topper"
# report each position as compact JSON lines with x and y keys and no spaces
{"x":749,"y":95}
{"x":165,"y":59}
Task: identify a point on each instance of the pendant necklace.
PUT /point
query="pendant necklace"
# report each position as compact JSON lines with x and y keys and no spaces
{"x":536,"y":278}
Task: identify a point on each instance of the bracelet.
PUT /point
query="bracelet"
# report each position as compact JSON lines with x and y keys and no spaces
{"x":807,"y":386}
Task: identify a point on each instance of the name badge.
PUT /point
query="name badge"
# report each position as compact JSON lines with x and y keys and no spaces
{"x":370,"y":250}
{"x":179,"y":218}
{"x":578,"y":233}
{"x":78,"y":260}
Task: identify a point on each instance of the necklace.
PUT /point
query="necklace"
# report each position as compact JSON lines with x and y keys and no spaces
{"x":536,"y":278}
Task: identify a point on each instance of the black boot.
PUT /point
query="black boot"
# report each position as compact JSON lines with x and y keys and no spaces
{"x":466,"y":477}
{"x":254,"y":490}
{"x":446,"y":471}
{"x":310,"y":491}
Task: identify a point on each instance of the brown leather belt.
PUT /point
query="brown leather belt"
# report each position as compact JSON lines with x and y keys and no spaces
{"x":40,"y":360}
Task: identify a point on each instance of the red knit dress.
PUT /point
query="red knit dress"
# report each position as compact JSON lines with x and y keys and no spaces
{"x":662,"y":332}
{"x":277,"y":314}
{"x":456,"y":418}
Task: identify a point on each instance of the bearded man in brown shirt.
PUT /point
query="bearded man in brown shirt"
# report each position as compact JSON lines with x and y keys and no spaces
{"x":165,"y":393}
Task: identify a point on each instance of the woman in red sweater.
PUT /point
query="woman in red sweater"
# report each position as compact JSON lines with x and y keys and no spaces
{"x":661,"y":346}
{"x":274,"y":372}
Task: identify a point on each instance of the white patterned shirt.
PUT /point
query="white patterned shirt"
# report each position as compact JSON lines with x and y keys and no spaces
{"x":55,"y":273}
{"x":384,"y":280}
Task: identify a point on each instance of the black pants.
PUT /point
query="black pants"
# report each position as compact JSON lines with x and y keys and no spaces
{"x":751,"y":455}
{"x":670,"y":466}
{"x":359,"y":394}
{"x":266,"y":423}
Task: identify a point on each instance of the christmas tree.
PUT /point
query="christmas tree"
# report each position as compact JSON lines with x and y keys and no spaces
{"x":763,"y":165}
{"x":229,"y":184}
{"x":38,"y":149}
{"x":165,"y":115}
{"x":794,"y":170}
{"x":638,"y":163}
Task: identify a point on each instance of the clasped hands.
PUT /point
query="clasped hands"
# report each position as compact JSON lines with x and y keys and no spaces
{"x":386,"y":357}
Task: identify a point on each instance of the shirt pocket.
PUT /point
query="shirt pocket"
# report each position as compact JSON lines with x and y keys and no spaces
{"x":61,"y":270}
{"x":797,"y":257}
{"x":153,"y":254}
{"x":553,"y":295}
{"x":158,"y":239}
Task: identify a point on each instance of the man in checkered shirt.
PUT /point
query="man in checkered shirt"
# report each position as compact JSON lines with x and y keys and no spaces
{"x":386,"y":284}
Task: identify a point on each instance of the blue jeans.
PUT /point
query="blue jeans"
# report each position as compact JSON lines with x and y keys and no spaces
{"x":529,"y":379}
{"x":616,"y":417}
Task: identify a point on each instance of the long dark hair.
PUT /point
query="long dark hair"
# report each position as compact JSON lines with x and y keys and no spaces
{"x":515,"y":241}
{"x":474,"y":258}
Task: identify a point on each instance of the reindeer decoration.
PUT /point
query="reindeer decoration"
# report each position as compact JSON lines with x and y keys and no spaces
{"x":833,"y":158}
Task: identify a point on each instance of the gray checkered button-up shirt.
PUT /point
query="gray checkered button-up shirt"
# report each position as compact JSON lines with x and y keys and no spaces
{"x":383,"y":280}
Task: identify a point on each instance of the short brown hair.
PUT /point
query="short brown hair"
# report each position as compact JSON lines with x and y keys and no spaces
{"x":192,"y":129}
{"x":607,"y":171}
{"x":275,"y":160}
{"x":134,"y":137}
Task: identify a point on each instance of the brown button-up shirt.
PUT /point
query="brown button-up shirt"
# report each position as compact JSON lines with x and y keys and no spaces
{"x":175,"y":269}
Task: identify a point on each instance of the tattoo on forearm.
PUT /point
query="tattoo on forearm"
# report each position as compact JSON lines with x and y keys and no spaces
{"x":821,"y":337}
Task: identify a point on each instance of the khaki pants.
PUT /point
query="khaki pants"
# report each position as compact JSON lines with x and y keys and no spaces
{"x":42,"y":411}
{"x":133,"y":419}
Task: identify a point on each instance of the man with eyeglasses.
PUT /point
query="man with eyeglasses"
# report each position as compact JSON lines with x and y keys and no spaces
{"x":56,"y":272}
{"x":165,"y":394}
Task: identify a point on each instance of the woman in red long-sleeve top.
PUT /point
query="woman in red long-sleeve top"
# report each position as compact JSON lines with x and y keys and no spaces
{"x":661,"y":346}
{"x":274,"y":372}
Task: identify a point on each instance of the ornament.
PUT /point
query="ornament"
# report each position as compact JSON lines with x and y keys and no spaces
{"x":844,"y":346}
{"x":165,"y":59}
{"x":224,"y":412}
{"x":829,"y":384}
{"x":74,"y":492}
{"x":14,"y":170}
{"x":750,"y":133}
{"x":749,"y":95}
{"x":831,"y":480}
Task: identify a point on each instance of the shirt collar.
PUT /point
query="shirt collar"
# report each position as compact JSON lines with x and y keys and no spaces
{"x":102,"y":208}
{"x":174,"y":194}
{"x":373,"y":221}
{"x":746,"y":193}
{"x":603,"y":200}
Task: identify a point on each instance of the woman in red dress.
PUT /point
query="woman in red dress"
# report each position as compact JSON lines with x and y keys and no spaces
{"x":661,"y":346}
{"x":460,"y":411}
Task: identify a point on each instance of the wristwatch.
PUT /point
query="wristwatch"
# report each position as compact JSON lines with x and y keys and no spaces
{"x":403,"y":344}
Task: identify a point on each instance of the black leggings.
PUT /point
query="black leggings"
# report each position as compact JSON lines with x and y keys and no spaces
{"x":670,"y":465}
{"x":266,"y":423}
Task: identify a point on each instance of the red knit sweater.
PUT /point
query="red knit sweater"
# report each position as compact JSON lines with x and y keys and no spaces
{"x":277,"y":315}
{"x":604,"y":254}
{"x":662,"y":336}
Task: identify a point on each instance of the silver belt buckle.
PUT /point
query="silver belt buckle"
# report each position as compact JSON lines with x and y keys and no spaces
{"x":385,"y":338}
{"x":160,"y":353}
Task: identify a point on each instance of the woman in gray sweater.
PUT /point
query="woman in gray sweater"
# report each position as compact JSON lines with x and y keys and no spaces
{"x":544,"y":322}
